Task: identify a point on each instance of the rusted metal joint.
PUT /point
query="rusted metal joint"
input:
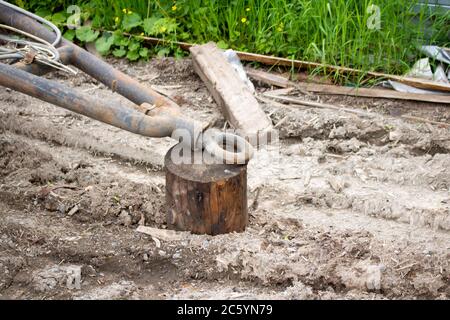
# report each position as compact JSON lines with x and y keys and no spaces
{"x":153,"y":115}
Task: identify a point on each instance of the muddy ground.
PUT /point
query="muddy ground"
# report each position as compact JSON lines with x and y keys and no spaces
{"x":345,"y":208}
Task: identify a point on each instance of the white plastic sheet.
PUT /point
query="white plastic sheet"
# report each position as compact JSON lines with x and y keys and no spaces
{"x":421,"y":69}
{"x":436,"y":53}
{"x":234,"y":60}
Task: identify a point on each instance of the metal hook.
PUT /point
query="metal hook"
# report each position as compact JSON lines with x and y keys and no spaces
{"x":219,"y":143}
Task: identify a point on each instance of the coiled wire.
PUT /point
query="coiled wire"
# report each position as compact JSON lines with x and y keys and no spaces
{"x":41,"y":51}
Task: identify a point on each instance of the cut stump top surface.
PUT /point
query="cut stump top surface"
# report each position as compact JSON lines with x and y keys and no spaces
{"x":204,"y":173}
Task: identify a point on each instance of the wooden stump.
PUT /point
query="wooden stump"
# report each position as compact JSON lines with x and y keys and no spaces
{"x":206,"y":199}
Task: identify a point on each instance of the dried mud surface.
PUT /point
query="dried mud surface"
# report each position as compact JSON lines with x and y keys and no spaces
{"x":344,"y":208}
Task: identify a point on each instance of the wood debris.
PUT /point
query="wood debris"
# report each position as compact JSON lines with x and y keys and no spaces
{"x":73,"y":210}
{"x":161,"y":234}
{"x":299,"y":64}
{"x":293,"y":101}
{"x":306,"y":88}
{"x":375,"y":93}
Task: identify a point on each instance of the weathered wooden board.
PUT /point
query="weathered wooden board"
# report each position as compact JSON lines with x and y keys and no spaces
{"x":415,"y":82}
{"x":271,"y":60}
{"x":230,"y":92}
{"x":282,"y":82}
{"x":376,"y":93}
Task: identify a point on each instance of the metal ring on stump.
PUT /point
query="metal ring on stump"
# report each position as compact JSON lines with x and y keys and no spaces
{"x":206,"y":198}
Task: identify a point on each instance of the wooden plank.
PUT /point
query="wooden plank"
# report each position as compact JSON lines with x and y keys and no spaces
{"x":296,"y":102}
{"x":375,"y":93}
{"x":273,"y":79}
{"x":238,"y":103}
{"x":282,"y":82}
{"x":269,"y":78}
{"x":272,"y":60}
{"x":320,"y":105}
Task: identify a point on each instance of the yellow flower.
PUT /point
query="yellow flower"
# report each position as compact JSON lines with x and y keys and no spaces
{"x":280,"y":27}
{"x":162,"y":29}
{"x":124,"y":10}
{"x":116,"y":20}
{"x":174,"y":7}
{"x":142,"y":34}
{"x":248,"y":9}
{"x":130,"y":12}
{"x":244,"y":20}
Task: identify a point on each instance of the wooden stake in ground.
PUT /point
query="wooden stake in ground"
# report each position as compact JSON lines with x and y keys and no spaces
{"x":206,"y":199}
{"x":230,"y":92}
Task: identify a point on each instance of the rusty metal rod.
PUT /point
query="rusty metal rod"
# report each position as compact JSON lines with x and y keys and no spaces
{"x":123,"y":117}
{"x":164,"y":116}
{"x":105,"y":111}
{"x":85,"y":61}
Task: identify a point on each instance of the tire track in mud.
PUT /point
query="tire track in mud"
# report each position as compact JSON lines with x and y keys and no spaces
{"x":352,"y":209}
{"x":277,"y":252}
{"x":80,"y":139}
{"x":272,"y":254}
{"x":419,"y":138}
{"x":344,"y":162}
{"x":100,"y":189}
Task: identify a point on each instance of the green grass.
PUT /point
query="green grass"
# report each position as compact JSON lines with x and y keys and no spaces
{"x":332,"y":32}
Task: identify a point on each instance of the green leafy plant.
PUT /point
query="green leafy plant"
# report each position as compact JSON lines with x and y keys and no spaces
{"x":160,"y":26}
{"x":130,"y":21}
{"x":104,"y":43}
{"x":86,"y":34}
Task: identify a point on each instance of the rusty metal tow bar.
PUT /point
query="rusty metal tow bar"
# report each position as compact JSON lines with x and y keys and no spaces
{"x":208,"y":198}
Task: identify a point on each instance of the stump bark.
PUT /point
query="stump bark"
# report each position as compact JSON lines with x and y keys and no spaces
{"x":206,"y":198}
